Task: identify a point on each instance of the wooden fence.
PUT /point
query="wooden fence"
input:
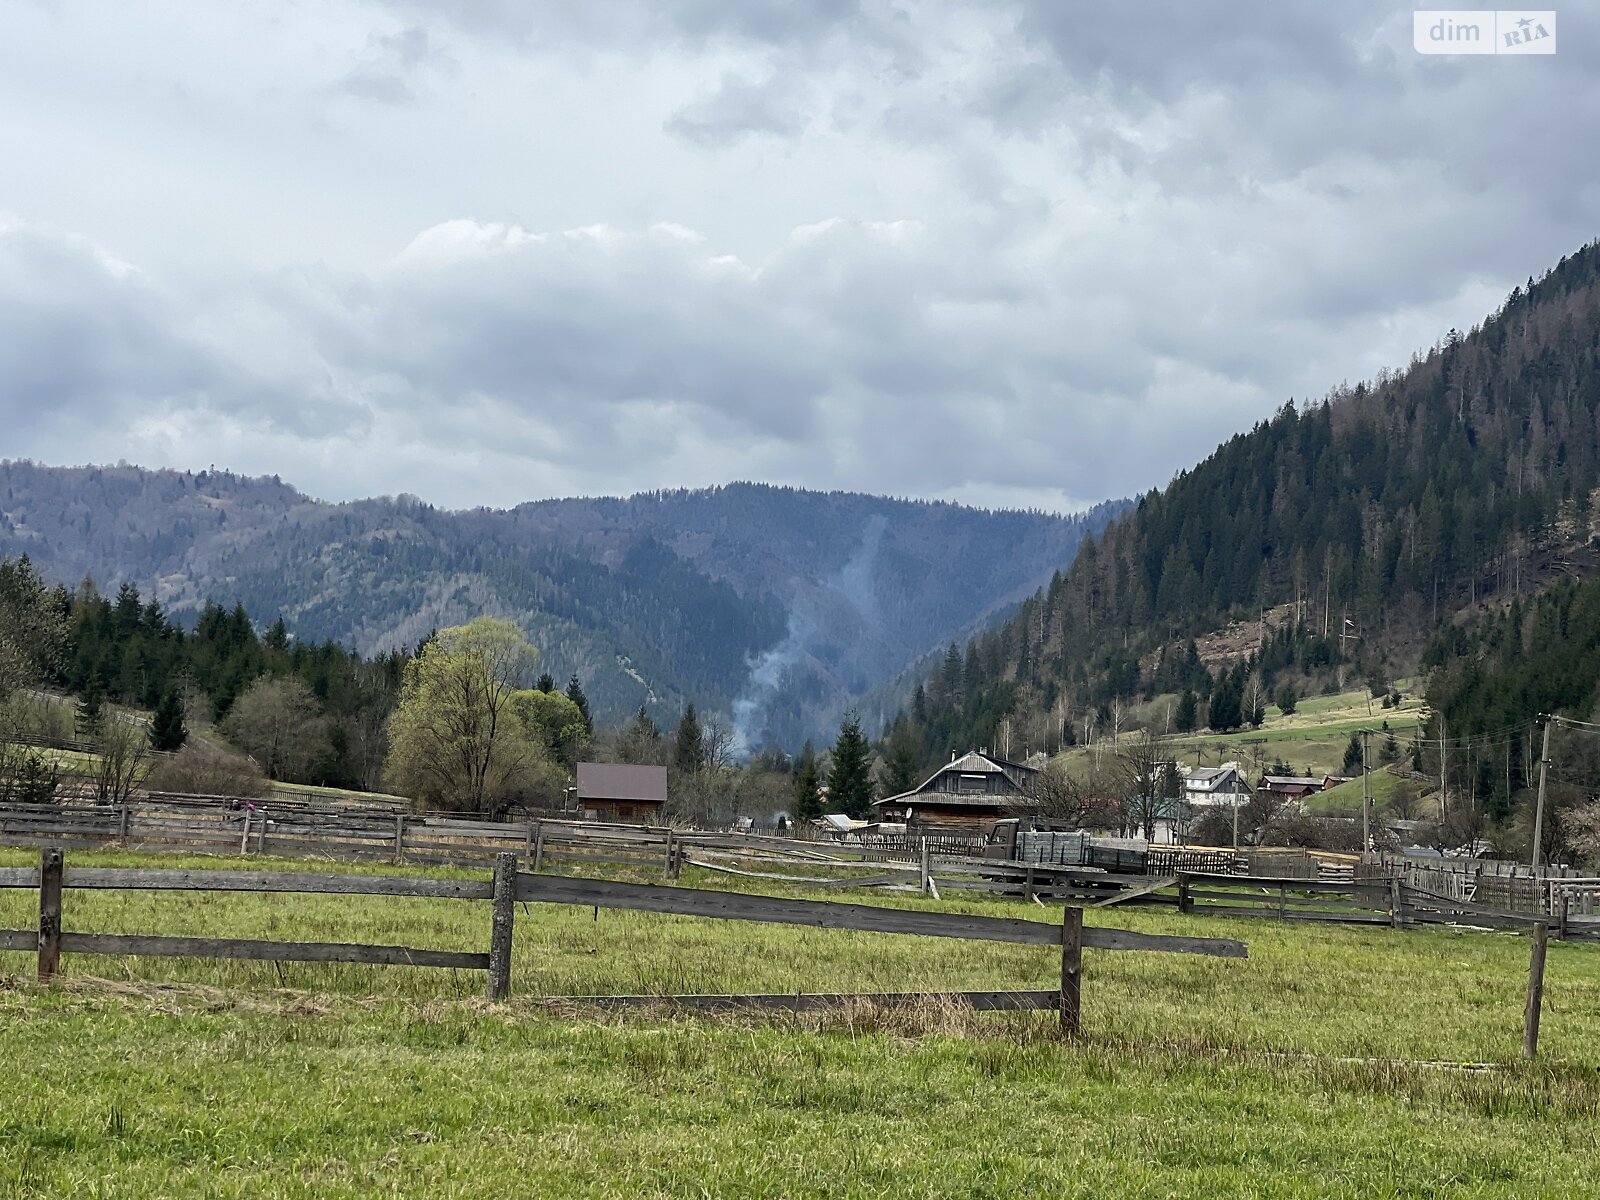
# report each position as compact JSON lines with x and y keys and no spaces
{"x":53,"y":879}
{"x":1463,"y":893}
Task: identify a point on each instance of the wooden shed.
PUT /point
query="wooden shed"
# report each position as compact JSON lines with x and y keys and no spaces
{"x":621,"y":792}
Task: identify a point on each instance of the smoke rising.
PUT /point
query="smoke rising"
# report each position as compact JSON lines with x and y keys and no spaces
{"x":824,"y":628}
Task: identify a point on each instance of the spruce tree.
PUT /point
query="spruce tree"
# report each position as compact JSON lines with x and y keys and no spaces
{"x":1286,"y":699}
{"x":546,"y":684}
{"x":1188,"y":714}
{"x":849,"y":777}
{"x":902,"y":754}
{"x":575,"y":694}
{"x":807,"y":801}
{"x":689,"y":754}
{"x":1226,"y":705}
{"x":277,"y":636}
{"x":1352,"y":755}
{"x":90,"y":708}
{"x":167,"y":732}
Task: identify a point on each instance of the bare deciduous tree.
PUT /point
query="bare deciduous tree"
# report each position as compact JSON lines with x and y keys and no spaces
{"x":122,"y":749}
{"x":1150,"y":783}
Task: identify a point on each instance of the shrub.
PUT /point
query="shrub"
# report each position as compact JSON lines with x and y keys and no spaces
{"x":200,"y":769}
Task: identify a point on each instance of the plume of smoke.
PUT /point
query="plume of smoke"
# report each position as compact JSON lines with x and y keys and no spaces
{"x":853,"y":583}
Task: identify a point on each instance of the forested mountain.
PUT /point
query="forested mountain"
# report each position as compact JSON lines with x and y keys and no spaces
{"x":1365,"y":520}
{"x":775,"y":605}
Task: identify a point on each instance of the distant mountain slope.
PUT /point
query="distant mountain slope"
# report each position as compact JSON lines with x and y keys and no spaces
{"x":1467,"y":478}
{"x":770,"y":603}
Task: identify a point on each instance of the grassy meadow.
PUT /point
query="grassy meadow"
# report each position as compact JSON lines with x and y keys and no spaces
{"x":1319,"y":1067}
{"x":1312,"y":739}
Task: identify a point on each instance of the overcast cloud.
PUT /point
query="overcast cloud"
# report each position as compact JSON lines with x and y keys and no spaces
{"x":1022,"y":253}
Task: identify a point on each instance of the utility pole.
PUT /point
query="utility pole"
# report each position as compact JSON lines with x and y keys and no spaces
{"x":1235,"y":807}
{"x":1366,"y":797}
{"x":1444,"y":769}
{"x":1538,"y":812}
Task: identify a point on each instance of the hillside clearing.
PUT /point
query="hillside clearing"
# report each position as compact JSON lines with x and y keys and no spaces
{"x":1311,"y":739}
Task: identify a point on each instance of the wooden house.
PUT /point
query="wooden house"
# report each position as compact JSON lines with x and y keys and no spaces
{"x":619,"y":792}
{"x":1290,"y":787}
{"x":974,"y":789}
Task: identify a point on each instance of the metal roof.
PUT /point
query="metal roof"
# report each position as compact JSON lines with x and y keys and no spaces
{"x":621,"y":781}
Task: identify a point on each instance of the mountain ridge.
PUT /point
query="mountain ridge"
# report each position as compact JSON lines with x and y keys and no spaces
{"x":776,"y":605}
{"x":1378,"y":513}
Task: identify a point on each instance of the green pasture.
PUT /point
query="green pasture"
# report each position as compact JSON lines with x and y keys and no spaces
{"x":1324,"y":1065}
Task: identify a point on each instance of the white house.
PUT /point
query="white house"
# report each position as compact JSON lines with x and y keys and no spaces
{"x":1212,"y":787}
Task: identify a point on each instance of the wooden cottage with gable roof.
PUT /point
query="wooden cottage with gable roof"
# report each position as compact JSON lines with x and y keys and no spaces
{"x":619,"y":792}
{"x":975,"y":789}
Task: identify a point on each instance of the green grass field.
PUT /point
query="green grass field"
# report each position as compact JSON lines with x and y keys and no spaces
{"x":1312,"y":739}
{"x":1346,"y":799}
{"x":1295,"y":1073}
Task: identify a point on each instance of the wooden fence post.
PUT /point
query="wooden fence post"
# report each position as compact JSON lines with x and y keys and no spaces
{"x":244,"y":838}
{"x":500,"y":927}
{"x":527,"y":845}
{"x":538,"y":850}
{"x":1530,"y":1013}
{"x":122,"y":824}
{"x":399,"y":837}
{"x":1562,"y":905}
{"x":1071,"y":971}
{"x":666,"y":869}
{"x":1185,"y":901}
{"x":924,"y":858}
{"x":51,"y":861}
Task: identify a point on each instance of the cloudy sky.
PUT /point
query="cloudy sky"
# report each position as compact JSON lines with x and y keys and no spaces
{"x":1024,"y":252}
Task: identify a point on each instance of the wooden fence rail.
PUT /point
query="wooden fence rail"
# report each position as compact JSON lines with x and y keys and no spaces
{"x":1375,"y":894}
{"x":53,"y":879}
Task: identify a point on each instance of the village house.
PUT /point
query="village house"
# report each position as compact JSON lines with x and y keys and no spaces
{"x":1290,"y":787}
{"x":974,"y":789}
{"x":619,"y":792}
{"x":1207,"y":787}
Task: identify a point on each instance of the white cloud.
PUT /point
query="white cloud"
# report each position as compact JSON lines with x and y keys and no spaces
{"x":487,"y":251}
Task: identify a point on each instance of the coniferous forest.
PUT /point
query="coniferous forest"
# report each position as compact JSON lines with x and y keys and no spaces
{"x":1359,"y":525}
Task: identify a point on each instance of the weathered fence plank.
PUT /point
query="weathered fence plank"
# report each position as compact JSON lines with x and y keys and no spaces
{"x":152,"y":879}
{"x":1535,"y":1003}
{"x":50,"y":867}
{"x":1071,"y":1002}
{"x":244,"y":948}
{"x":501,"y":925}
{"x":1136,"y":892}
{"x":824,"y":1001}
{"x":740,"y":906}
